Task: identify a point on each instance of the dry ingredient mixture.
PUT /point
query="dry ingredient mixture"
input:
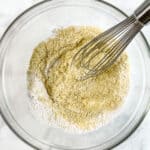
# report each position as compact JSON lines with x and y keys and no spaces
{"x":54,"y":83}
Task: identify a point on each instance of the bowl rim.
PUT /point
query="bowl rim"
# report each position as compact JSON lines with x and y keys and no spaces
{"x":46,"y":1}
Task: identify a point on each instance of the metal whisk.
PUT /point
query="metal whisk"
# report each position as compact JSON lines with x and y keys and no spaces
{"x":103,"y":50}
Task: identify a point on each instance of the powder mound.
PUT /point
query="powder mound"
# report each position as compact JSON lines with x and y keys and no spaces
{"x":79,"y":102}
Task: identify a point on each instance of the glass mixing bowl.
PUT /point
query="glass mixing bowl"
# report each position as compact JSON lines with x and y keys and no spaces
{"x":16,"y":46}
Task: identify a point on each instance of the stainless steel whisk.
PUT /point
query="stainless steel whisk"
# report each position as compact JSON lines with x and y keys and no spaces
{"x":102,"y":51}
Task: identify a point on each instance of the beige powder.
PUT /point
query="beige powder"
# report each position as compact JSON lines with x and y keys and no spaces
{"x":79,"y":102}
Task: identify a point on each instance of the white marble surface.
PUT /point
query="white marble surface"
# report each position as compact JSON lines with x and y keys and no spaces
{"x":8,"y":141}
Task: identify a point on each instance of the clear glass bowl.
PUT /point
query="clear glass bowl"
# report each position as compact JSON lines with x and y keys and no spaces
{"x":33,"y":26}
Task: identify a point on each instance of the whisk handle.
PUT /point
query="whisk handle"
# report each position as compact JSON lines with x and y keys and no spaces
{"x":142,"y":13}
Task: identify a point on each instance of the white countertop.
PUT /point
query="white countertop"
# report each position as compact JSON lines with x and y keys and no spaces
{"x":8,"y":141}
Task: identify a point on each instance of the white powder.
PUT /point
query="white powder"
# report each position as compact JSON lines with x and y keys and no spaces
{"x":44,"y":114}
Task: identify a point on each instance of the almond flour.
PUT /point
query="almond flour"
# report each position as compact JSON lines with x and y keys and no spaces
{"x":54,"y":84}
